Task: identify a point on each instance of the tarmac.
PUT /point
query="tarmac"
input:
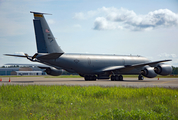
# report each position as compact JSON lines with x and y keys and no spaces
{"x":128,"y":82}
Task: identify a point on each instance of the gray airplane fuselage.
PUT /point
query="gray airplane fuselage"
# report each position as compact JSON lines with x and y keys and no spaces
{"x":93,"y":64}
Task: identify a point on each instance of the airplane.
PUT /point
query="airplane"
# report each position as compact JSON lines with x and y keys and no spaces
{"x":89,"y":66}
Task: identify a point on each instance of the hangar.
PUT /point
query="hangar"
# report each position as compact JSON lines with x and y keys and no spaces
{"x":21,"y":69}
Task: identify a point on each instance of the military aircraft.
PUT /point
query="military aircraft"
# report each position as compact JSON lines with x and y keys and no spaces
{"x":89,"y":66}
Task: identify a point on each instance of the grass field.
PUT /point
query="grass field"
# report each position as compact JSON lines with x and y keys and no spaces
{"x":92,"y":102}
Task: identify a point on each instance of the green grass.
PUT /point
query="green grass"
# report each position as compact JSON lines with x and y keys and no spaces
{"x":92,"y":102}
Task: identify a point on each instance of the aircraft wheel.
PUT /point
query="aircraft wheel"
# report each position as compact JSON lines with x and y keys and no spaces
{"x":90,"y":78}
{"x":112,"y":78}
{"x":117,"y":78}
{"x":140,"y":77}
{"x":86,"y":78}
{"x":94,"y":78}
{"x":120,"y":77}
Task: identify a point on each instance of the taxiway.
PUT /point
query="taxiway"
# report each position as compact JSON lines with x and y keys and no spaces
{"x":128,"y":82}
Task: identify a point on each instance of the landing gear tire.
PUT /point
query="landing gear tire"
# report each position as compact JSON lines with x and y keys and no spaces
{"x":117,"y":78}
{"x":94,"y":78}
{"x":112,"y":78}
{"x":140,"y":77}
{"x":90,"y":78}
{"x":120,"y":78}
{"x":86,"y":78}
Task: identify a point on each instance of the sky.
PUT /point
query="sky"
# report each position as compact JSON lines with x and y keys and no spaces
{"x":125,"y":27}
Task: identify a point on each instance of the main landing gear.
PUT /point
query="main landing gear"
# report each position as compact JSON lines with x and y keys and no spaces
{"x":90,"y":77}
{"x":140,"y":77}
{"x":116,"y":78}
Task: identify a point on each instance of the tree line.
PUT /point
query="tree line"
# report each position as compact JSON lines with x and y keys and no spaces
{"x":174,"y":70}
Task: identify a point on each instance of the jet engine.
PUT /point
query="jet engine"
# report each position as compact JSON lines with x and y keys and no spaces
{"x":148,"y":72}
{"x":163,"y":69}
{"x":53,"y":71}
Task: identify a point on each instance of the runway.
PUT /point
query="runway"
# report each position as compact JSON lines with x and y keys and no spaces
{"x":128,"y":82}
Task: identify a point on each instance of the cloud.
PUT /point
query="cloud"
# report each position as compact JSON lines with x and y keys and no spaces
{"x":79,"y":16}
{"x":128,"y":19}
{"x":171,"y":56}
{"x":19,"y":53}
{"x":175,"y":63}
{"x":84,"y":16}
{"x":102,"y":24}
{"x":50,"y":21}
{"x":13,"y":18}
{"x":166,"y":55}
{"x":77,"y":26}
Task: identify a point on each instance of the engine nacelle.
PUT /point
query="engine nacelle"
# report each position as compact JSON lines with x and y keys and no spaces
{"x":163,"y":69}
{"x":148,"y":72}
{"x":53,"y":71}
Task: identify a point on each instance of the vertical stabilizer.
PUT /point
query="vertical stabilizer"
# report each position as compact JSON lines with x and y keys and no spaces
{"x":45,"y":40}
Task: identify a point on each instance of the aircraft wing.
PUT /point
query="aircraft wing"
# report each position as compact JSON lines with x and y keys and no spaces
{"x":152,"y":64}
{"x":129,"y":67}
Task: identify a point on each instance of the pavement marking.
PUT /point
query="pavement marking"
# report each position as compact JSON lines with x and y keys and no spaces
{"x":165,"y":82}
{"x":128,"y":82}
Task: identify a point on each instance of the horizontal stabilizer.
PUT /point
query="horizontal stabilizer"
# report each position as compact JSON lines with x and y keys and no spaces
{"x":40,"y":13}
{"x":48,"y":55}
{"x":15,"y":55}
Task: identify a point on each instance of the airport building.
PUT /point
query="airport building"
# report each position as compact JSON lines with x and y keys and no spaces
{"x":20,"y":73}
{"x":26,"y":69}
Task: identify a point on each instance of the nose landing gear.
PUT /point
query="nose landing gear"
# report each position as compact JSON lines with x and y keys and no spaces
{"x":140,"y":77}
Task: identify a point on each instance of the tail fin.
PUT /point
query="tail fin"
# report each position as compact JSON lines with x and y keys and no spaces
{"x":45,"y":40}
